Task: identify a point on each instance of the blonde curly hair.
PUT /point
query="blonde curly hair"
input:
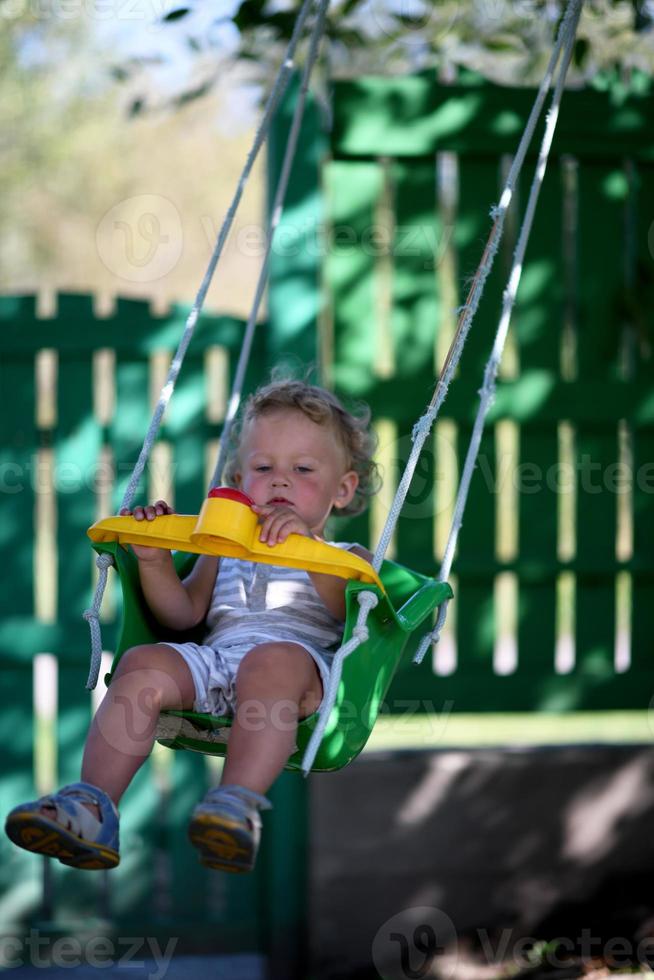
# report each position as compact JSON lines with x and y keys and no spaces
{"x":322,"y":407}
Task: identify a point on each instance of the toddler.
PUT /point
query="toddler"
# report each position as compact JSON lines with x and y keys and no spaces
{"x":271,"y":634}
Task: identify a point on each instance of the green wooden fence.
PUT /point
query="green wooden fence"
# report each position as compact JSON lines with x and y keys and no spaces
{"x":554,"y":574}
{"x":554,"y":601}
{"x":77,"y":392}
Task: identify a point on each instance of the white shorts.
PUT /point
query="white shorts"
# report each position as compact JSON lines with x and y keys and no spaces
{"x":214,"y":671}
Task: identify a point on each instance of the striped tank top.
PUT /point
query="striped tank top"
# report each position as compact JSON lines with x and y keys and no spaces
{"x":255,"y":603}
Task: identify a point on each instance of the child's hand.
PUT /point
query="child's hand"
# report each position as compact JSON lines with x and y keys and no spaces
{"x":148,"y":513}
{"x":278,"y":522}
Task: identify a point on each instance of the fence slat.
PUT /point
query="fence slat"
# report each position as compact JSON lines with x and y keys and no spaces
{"x":475,"y":618}
{"x":601,"y":192}
{"x":538,"y":322}
{"x":18,"y":444}
{"x":353,"y":192}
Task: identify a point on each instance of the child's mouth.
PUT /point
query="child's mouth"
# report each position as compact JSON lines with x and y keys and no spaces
{"x":279,"y":500}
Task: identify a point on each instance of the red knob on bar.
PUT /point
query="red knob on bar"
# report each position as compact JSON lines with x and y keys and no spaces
{"x":230,"y":493}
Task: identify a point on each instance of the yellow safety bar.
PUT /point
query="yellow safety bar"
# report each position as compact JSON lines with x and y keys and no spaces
{"x":230,"y":528}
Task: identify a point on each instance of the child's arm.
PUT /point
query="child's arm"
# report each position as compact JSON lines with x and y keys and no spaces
{"x":176,"y":604}
{"x":277,"y":523}
{"x":331,"y":588}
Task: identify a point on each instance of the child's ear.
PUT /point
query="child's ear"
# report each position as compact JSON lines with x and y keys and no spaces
{"x":237,"y":478}
{"x":346,"y":489}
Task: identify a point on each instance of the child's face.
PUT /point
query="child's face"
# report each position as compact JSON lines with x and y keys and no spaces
{"x":289,"y":461}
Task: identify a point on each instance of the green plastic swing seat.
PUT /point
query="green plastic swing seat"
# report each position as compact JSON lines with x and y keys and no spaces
{"x":394,"y":629}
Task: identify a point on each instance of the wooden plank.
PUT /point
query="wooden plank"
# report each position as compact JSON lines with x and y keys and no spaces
{"x":417,"y":236}
{"x":538,"y":321}
{"x":464,"y":691}
{"x":21,"y":636}
{"x":294,"y":296}
{"x":285,"y":925}
{"x":135,"y":880}
{"x":414,"y":324}
{"x":188,"y":885}
{"x":642,"y":586}
{"x":353,"y":192}
{"x":20,"y":871}
{"x":414,"y":116}
{"x":537,"y":396}
{"x":77,"y":447}
{"x":130,"y":422}
{"x":475,"y":618}
{"x":642,"y":321}
{"x":475,"y":615}
{"x":18,"y":445}
{"x":354,"y":288}
{"x":131,"y":329}
{"x":639,"y":304}
{"x":186,"y":430}
{"x":601,"y":191}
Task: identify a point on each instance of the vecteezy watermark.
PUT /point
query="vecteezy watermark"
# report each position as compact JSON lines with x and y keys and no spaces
{"x":115,"y":11}
{"x":132,"y":952}
{"x":406,"y":945}
{"x":559,"y":951}
{"x":66,"y":476}
{"x":317,"y":240}
{"x":141,"y":238}
{"x":137,"y":694}
{"x":584,"y":475}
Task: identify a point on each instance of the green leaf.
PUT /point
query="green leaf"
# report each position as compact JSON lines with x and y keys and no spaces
{"x":581,"y":51}
{"x":118,"y":73}
{"x":250,"y":15}
{"x":174,"y":15}
{"x":193,"y":93}
{"x":348,"y":7}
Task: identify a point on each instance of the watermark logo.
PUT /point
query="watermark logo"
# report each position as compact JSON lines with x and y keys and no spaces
{"x":407,"y":944}
{"x":142,"y":954}
{"x":147,"y":12}
{"x":141,"y":239}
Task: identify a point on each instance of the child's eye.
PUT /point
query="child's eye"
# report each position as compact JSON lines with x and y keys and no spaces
{"x":304,"y":469}
{"x":263,"y":468}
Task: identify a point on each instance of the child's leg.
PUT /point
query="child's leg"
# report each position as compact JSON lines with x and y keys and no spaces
{"x":276,"y":684}
{"x":148,"y":679}
{"x":79,"y":824}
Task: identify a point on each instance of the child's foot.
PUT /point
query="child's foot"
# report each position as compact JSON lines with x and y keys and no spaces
{"x":63,"y":825}
{"x":226,"y":826}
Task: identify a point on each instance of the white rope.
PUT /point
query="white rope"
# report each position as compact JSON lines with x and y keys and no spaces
{"x":487,"y":392}
{"x":278,"y":89}
{"x":367,"y":601}
{"x":423,"y":426}
{"x":92,"y":616}
{"x":276,"y":214}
